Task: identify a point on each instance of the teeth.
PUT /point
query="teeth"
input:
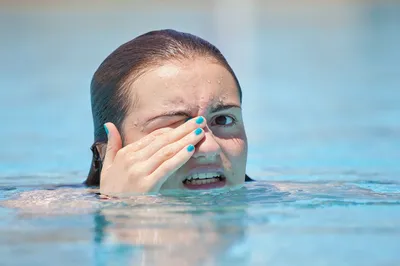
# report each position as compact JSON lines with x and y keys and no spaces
{"x":202,"y":176}
{"x":201,"y":181}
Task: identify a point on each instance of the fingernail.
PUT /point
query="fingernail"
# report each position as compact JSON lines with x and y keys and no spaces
{"x":198,"y":131}
{"x":200,"y":120}
{"x":105,"y":129}
{"x":188,"y":119}
{"x":190,"y":148}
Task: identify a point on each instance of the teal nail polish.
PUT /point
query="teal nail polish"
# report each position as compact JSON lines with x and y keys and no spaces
{"x":200,"y":120}
{"x":106,"y":129}
{"x":190,"y":148}
{"x":187,"y":119}
{"x":198,"y":131}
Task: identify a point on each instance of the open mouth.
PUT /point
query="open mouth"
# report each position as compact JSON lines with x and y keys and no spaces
{"x":204,"y":181}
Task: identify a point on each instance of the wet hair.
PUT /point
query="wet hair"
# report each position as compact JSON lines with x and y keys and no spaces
{"x":110,"y":84}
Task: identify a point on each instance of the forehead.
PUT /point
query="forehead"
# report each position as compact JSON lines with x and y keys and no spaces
{"x":198,"y":83}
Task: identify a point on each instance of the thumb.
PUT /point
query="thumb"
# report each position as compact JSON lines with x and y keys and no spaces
{"x":114,"y":144}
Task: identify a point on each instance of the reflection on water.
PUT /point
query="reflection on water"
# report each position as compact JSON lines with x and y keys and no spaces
{"x":206,"y":228}
{"x":173,"y":237}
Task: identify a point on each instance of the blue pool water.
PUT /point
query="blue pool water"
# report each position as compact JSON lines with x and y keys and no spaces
{"x":321,"y":105}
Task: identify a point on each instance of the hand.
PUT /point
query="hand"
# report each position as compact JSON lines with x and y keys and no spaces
{"x":145,"y":165}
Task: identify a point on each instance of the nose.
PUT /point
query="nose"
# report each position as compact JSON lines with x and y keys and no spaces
{"x":208,"y":147}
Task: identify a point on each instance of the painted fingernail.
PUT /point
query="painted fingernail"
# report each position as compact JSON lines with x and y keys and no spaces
{"x":105,"y":129}
{"x":190,"y":148}
{"x":198,"y":131}
{"x":200,"y":120}
{"x":187,"y":119}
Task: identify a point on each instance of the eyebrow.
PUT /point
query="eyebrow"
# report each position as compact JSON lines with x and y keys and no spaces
{"x":221,"y":107}
{"x":187,"y":111}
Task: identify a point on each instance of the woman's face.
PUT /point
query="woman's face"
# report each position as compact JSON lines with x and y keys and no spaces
{"x":166,"y":96}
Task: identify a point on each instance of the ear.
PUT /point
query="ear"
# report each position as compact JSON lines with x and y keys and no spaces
{"x":99,"y":151}
{"x":102,"y":148}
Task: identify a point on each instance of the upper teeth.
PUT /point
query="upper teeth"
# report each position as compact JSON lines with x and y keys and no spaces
{"x":202,"y":176}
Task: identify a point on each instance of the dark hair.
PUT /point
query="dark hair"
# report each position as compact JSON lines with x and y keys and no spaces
{"x":109,"y":86}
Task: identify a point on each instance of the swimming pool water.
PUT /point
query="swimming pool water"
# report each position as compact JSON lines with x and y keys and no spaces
{"x":324,"y":223}
{"x":321,"y":107}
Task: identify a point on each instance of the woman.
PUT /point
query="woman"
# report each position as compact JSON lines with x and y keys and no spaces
{"x":144,"y":95}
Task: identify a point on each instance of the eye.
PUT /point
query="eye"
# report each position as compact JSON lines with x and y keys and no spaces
{"x":224,"y":120}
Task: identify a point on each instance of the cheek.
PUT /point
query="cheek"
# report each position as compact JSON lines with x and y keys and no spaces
{"x":235,"y":148}
{"x":131,"y":135}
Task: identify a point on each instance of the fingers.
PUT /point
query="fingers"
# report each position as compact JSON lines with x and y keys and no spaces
{"x":114,"y":144}
{"x":146,"y":164}
{"x":172,"y":149}
{"x":143,"y":142}
{"x":175,"y":135}
{"x":168,"y":167}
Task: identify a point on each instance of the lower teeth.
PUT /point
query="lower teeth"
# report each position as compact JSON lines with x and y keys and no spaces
{"x":202,"y":181}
